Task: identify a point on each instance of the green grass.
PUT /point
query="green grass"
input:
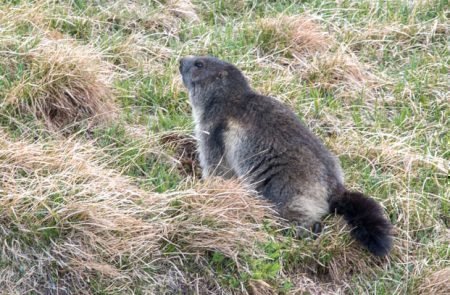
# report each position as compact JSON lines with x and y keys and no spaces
{"x":390,"y":128}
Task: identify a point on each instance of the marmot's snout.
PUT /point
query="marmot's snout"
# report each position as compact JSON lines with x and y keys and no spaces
{"x":182,"y":65}
{"x":186,"y":63}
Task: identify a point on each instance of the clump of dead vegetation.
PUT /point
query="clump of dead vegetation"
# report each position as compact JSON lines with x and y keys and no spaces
{"x":296,"y":36}
{"x":63,"y":83}
{"x":185,"y":152}
{"x":67,"y":221}
{"x":302,"y":45}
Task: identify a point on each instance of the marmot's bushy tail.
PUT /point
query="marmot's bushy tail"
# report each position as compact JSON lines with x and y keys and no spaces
{"x":365,"y":215}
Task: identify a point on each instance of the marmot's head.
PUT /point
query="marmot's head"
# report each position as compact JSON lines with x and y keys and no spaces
{"x":206,"y":76}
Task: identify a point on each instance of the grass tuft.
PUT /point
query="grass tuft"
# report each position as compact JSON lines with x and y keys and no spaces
{"x":64,"y":84}
{"x":295,"y":36}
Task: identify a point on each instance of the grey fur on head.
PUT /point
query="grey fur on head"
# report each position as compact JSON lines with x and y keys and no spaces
{"x":254,"y":137}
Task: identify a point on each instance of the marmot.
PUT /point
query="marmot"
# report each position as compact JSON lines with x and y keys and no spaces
{"x":254,"y":137}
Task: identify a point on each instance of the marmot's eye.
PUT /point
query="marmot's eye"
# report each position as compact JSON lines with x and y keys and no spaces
{"x":198,"y":64}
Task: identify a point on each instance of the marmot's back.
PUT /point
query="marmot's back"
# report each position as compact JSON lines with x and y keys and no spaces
{"x":279,"y":128}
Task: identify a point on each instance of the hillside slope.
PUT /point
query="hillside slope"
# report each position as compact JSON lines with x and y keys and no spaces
{"x":100,"y":190}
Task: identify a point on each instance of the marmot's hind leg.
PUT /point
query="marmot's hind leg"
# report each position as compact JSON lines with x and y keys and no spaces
{"x":312,"y":232}
{"x":306,"y":214}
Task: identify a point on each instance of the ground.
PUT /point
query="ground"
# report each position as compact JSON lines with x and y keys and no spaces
{"x":100,"y":190}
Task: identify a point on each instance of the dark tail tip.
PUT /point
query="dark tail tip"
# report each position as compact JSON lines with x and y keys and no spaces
{"x":365,"y":215}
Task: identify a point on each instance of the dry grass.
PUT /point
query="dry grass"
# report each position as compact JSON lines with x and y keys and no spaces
{"x":331,"y":261}
{"x":183,"y":9}
{"x":438,"y":283}
{"x":67,"y":220}
{"x":185,"y":153}
{"x":66,"y":83}
{"x":158,"y":18}
{"x":348,"y":258}
{"x":135,"y":53}
{"x":299,"y":35}
{"x":389,"y":151}
{"x":13,"y":17}
{"x":303,"y":284}
{"x":341,"y":74}
{"x":404,"y":36}
{"x":311,"y":52}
